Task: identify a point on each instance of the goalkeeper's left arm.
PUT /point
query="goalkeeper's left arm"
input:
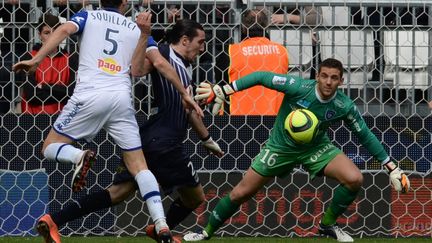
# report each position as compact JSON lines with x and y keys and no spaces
{"x":219,"y":94}
{"x":398,"y":178}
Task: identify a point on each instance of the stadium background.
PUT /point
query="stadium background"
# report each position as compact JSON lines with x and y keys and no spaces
{"x":395,"y":108}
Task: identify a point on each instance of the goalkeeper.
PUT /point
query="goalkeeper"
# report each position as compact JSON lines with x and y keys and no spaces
{"x":162,"y":138}
{"x":320,"y":157}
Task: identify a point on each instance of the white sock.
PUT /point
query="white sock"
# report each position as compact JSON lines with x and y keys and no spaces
{"x":63,"y":152}
{"x":149,"y":189}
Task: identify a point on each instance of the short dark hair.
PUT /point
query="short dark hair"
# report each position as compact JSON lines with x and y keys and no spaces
{"x":49,"y":20}
{"x":110,"y":3}
{"x":332,"y":63}
{"x":183,"y":27}
{"x":254,"y":22}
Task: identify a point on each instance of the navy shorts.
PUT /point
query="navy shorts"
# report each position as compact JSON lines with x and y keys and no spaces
{"x":171,"y":167}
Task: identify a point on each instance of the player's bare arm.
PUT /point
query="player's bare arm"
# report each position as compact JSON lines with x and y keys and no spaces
{"x":143,"y":21}
{"x":61,"y":33}
{"x":164,"y":67}
{"x":206,"y":140}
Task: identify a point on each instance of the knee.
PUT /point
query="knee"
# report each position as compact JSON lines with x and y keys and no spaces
{"x":354,"y":182}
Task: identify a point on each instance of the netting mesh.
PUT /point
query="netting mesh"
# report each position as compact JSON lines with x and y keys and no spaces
{"x":386,"y":50}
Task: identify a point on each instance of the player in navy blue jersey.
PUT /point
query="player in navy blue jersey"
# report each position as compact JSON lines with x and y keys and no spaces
{"x":162,"y":135}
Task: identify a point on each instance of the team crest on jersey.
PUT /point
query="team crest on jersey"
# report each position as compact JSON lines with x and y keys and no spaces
{"x":330,"y":114}
{"x":109,"y":65}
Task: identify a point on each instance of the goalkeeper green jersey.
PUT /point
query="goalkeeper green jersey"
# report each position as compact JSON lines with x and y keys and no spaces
{"x":301,"y":93}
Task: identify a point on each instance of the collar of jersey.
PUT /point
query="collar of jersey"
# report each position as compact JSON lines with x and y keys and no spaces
{"x":111,"y":10}
{"x":185,"y":62}
{"x":321,"y":99}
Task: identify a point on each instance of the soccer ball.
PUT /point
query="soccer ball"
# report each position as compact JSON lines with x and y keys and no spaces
{"x":301,"y":125}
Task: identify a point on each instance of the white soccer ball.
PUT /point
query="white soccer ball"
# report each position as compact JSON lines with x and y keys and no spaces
{"x":301,"y":125}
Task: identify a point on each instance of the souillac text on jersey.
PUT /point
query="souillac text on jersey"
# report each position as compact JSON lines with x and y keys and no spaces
{"x":108,"y":17}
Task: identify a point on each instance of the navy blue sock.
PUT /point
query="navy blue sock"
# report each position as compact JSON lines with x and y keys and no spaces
{"x":87,"y":204}
{"x":177,"y":213}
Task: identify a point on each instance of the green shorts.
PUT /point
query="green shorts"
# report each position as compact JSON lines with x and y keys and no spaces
{"x":271,"y":162}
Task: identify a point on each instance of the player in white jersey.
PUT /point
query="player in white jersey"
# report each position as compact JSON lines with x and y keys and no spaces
{"x":111,"y":48}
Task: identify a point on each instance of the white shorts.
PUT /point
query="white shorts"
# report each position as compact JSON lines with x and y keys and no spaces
{"x":85,"y":114}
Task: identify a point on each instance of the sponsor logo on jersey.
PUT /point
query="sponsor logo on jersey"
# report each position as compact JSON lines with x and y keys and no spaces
{"x":320,"y":152}
{"x":354,"y":122}
{"x":108,"y":65}
{"x":69,"y":117}
{"x":279,"y":80}
{"x":303,"y":103}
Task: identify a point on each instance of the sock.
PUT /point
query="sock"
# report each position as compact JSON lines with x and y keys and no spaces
{"x":149,"y":189}
{"x":342,"y":198}
{"x":85,"y":205}
{"x":63,"y":152}
{"x":177,"y":213}
{"x":225,"y":208}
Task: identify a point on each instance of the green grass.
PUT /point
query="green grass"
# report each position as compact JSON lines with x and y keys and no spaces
{"x":213,"y":240}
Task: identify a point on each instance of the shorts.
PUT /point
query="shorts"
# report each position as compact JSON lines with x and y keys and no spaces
{"x":271,"y":162}
{"x":86,"y":114}
{"x":171,"y":167}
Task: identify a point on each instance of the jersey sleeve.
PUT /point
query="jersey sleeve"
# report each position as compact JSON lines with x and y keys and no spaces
{"x":358,"y":126}
{"x":151,"y":44}
{"x":79,"y":19}
{"x":284,"y":83}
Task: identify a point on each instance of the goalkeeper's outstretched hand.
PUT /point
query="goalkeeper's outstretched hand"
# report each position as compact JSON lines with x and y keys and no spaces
{"x":209,"y":93}
{"x":398,"y":179}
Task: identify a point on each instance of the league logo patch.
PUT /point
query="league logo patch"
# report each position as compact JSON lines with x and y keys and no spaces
{"x":109,"y":65}
{"x":279,"y":80}
{"x":330,"y":114}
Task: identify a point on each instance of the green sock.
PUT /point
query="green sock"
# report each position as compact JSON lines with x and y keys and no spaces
{"x":225,"y":208}
{"x":342,"y":198}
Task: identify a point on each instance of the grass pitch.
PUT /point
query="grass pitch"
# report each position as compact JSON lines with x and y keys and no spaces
{"x":213,"y":240}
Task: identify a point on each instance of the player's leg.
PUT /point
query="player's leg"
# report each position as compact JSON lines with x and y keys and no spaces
{"x":149,"y":189}
{"x":189,"y":199}
{"x":123,"y":128}
{"x":57,"y":147}
{"x":81,"y":118}
{"x":48,"y":224}
{"x":346,"y":172}
{"x":174,"y":171}
{"x":250,"y":184}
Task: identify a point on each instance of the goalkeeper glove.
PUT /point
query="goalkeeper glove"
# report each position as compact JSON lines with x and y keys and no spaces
{"x":212,"y":146}
{"x":399,"y":180}
{"x":214,"y":93}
